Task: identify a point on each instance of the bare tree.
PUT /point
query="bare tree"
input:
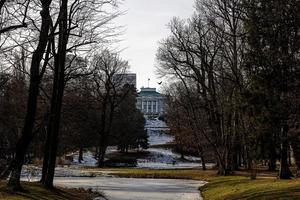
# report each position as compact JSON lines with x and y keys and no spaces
{"x":13,"y":15}
{"x":35,"y":78}
{"x":108,"y":79}
{"x":74,"y":32}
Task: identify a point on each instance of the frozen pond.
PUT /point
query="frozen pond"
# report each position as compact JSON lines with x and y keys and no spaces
{"x":137,"y":189}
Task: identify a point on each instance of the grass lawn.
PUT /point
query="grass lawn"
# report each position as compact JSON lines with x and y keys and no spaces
{"x":37,"y":192}
{"x":223,"y":188}
{"x":194,"y":174}
{"x":238,"y":187}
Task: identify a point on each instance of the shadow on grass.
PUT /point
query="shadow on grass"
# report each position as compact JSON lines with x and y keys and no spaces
{"x":35,"y":191}
{"x":291,"y":193}
{"x":238,"y":188}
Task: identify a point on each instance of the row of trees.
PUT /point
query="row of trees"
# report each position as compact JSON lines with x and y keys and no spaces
{"x":58,"y":85}
{"x":236,"y":64}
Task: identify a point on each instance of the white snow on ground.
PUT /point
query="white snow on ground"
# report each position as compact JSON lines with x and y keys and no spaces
{"x":30,"y":173}
{"x":163,"y":158}
{"x":156,"y":138}
{"x":158,"y":158}
{"x":89,"y":159}
{"x":137,"y":189}
{"x":156,"y":124}
{"x":166,"y":159}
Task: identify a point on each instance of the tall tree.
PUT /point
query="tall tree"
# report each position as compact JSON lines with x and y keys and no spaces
{"x":73,"y":23}
{"x":35,"y":78}
{"x":273,"y":39}
{"x":109,"y":70}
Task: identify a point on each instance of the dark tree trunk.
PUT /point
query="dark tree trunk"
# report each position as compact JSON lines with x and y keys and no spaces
{"x":272,"y":161}
{"x":203,"y":162}
{"x":80,"y":156}
{"x":295,"y":143}
{"x":201,"y":154}
{"x":27,"y":132}
{"x":46,"y":153}
{"x":57,"y":94}
{"x":106,"y":129}
{"x":253,"y":170}
{"x":284,"y":172}
{"x":181,"y":156}
{"x":221,"y":167}
{"x":101,"y":155}
{"x":272,"y":164}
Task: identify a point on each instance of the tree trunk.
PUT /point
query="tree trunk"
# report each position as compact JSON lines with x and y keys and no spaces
{"x":221,"y":167}
{"x":27,"y":132}
{"x":284,"y":172}
{"x":201,"y":154}
{"x":80,"y":156}
{"x":57,"y":94}
{"x":253,"y":170}
{"x":101,"y":156}
{"x":46,"y":154}
{"x":272,"y":160}
{"x":203,"y":162}
{"x":295,"y":143}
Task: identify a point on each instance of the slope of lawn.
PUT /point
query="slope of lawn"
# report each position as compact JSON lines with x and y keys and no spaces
{"x":37,"y":192}
{"x":237,"y":187}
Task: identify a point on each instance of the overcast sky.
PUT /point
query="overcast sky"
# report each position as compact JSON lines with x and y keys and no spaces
{"x":146,"y":24}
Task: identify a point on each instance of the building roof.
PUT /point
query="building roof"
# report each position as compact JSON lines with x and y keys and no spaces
{"x":149,"y":92}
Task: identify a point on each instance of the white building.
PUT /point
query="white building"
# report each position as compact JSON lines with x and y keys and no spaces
{"x":150,"y":102}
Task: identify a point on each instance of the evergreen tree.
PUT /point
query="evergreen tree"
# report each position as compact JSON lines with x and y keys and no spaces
{"x":273,"y":64}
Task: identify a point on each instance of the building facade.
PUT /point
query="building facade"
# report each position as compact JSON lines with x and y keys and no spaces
{"x":150,"y":102}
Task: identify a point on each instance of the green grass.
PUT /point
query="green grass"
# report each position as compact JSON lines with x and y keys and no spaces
{"x":35,"y":191}
{"x":195,"y":174}
{"x":237,"y":187}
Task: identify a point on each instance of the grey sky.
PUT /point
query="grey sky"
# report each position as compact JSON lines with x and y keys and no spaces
{"x":146,"y":24}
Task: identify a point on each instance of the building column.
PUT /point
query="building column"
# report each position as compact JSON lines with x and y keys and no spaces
{"x":142,"y":109}
{"x":147,"y":106}
{"x":151,"y":106}
{"x":156,"y":107}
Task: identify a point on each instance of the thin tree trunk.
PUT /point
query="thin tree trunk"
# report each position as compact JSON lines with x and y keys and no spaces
{"x":284,"y":172}
{"x":203,"y":162}
{"x":46,"y":153}
{"x":80,"y":155}
{"x":201,"y":154}
{"x":101,"y":155}
{"x":253,"y":170}
{"x":272,"y":161}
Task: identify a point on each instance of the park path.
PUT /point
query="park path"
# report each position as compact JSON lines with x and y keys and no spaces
{"x":136,"y":189}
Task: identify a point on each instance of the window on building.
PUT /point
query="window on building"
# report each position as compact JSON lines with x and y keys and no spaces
{"x":144,"y":106}
{"x":154,"y":106}
{"x":149,"y":106}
